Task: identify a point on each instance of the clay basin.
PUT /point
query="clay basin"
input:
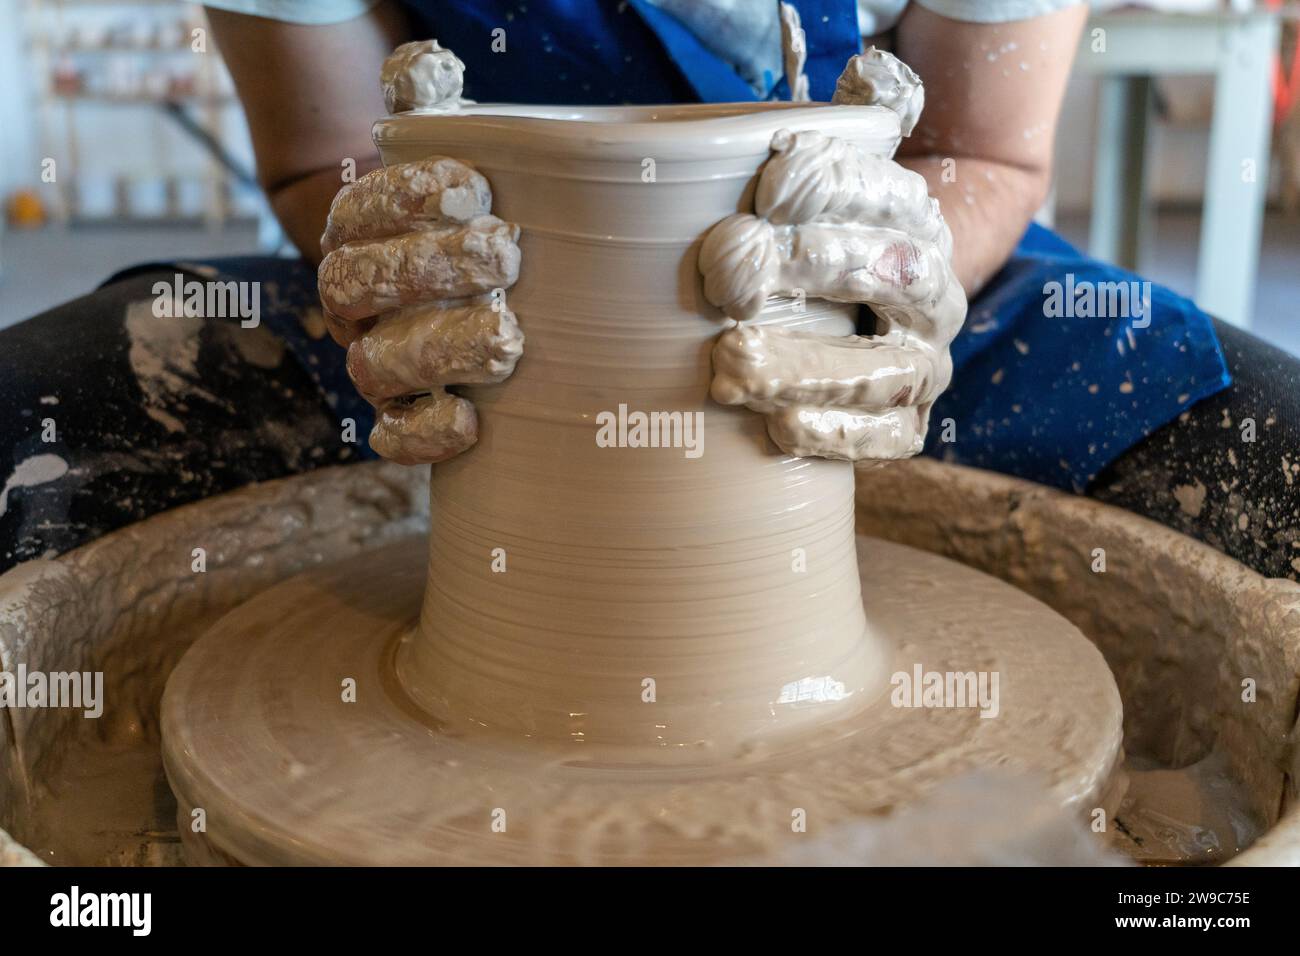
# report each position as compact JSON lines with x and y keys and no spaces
{"x":1186,"y":631}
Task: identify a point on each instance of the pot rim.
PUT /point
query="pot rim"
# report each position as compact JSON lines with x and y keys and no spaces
{"x":670,"y":132}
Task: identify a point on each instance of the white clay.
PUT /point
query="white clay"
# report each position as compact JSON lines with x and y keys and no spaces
{"x":878,"y":78}
{"x":421,"y":76}
{"x":816,"y":178}
{"x":397,"y":199}
{"x":767,"y":367}
{"x":794,"y":53}
{"x":367,"y":277}
{"x":834,"y":222}
{"x":426,"y":429}
{"x":422,"y":346}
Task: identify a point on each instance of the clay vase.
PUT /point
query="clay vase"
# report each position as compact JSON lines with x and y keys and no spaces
{"x":692,"y":600}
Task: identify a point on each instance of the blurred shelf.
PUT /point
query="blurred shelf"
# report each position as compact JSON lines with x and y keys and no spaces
{"x":118,"y":48}
{"x":128,"y":221}
{"x":193,"y":99}
{"x":92,"y":57}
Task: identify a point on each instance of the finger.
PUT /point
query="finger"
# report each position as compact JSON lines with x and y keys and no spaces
{"x":812,"y":177}
{"x":423,"y":346}
{"x":365,"y":278}
{"x":768,"y":367}
{"x":878,"y":78}
{"x":741,"y":265}
{"x":808,"y":431}
{"x":405,"y":197}
{"x":908,"y":282}
{"x":853,"y":263}
{"x":936,"y":323}
{"x":342,"y":331}
{"x":425,"y":430}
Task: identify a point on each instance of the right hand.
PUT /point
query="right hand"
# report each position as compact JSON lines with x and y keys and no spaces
{"x":832,"y":222}
{"x":413,"y":285}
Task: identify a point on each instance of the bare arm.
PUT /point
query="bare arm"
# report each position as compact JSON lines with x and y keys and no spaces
{"x":993,"y":96}
{"x":310,"y":94}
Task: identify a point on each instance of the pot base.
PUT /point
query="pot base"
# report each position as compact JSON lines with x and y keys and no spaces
{"x":288,"y":740}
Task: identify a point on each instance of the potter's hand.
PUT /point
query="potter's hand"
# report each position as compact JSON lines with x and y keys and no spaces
{"x":834,"y":223}
{"x":413,"y":284}
{"x":414,"y":277}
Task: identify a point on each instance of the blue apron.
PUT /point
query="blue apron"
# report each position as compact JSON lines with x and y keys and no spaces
{"x":1047,"y":389}
{"x":612,"y":51}
{"x":1041,"y":389}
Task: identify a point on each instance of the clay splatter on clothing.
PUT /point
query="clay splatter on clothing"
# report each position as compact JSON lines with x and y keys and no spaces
{"x":142,"y":413}
{"x":36,"y":470}
{"x":1225,"y":470}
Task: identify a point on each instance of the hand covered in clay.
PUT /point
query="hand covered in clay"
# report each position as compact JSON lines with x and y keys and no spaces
{"x":835,"y":223}
{"x":413,"y":284}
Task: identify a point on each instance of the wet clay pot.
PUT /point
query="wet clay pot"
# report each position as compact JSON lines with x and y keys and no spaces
{"x":564,"y":572}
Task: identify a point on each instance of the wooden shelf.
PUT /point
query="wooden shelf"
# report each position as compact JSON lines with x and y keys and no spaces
{"x":72,"y":44}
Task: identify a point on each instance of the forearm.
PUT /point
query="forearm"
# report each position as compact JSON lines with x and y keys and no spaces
{"x":993,"y":96}
{"x":309,"y":98}
{"x":303,"y":204}
{"x":987,"y":205}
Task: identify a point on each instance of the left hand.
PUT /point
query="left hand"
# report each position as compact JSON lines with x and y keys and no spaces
{"x":833,"y":223}
{"x":413,"y":282}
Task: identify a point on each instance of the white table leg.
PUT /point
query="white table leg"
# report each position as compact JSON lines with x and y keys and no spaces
{"x":1237,"y":174}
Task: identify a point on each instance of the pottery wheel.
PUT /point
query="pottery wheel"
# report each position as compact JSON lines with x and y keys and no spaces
{"x":259,"y":735}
